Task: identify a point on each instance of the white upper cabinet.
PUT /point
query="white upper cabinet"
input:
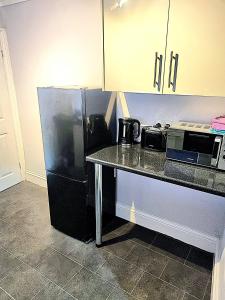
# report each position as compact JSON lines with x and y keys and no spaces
{"x":193,"y":44}
{"x":196,"y":36}
{"x":134,"y":44}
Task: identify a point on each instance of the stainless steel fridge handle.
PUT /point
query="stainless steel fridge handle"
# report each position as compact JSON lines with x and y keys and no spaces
{"x":174,"y":82}
{"x":159,"y":81}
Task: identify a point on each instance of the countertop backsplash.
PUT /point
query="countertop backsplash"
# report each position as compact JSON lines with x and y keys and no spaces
{"x":150,"y":109}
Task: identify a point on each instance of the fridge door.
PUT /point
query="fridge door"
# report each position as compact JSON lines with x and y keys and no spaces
{"x":61,"y":112}
{"x":69,"y":208}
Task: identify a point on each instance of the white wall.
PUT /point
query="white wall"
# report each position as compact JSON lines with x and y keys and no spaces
{"x":59,"y":42}
{"x":51,"y":42}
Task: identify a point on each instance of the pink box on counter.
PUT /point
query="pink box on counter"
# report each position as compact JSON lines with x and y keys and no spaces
{"x":219,"y":123}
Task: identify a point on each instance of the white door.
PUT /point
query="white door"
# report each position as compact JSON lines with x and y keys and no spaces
{"x":10,"y":173}
{"x":196,"y":33}
{"x":134,"y":44}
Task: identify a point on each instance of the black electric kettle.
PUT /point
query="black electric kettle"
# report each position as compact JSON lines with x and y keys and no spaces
{"x":129,"y":131}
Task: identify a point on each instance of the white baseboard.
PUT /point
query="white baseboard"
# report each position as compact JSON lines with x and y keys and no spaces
{"x":216,"y":287}
{"x":185,"y":234}
{"x":36,"y":179}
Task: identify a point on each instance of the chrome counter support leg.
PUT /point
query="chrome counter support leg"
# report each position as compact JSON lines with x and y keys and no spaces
{"x":98,"y":203}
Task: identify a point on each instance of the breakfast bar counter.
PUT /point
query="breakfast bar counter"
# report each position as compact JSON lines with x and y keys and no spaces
{"x":154,"y":165}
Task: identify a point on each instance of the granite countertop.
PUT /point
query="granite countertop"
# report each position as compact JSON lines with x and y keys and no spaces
{"x":155,"y":165}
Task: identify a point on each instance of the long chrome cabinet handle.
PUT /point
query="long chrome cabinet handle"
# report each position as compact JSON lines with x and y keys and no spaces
{"x":159,"y":81}
{"x":174,"y":82}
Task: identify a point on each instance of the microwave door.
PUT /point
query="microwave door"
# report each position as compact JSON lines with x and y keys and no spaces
{"x":216,"y":151}
{"x":199,"y":142}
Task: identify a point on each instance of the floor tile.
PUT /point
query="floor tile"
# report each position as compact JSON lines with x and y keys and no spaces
{"x":36,"y":210}
{"x":171,"y":247}
{"x":9,"y":209}
{"x":30,"y":248}
{"x":65,"y":245}
{"x":13,"y":194}
{"x":200,"y":260}
{"x":7,"y":262}
{"x":6,"y":197}
{"x":120,"y":273}
{"x":137,"y":233}
{"x":87,"y":285}
{"x":21,"y":196}
{"x":17,"y":199}
{"x":115,"y":226}
{"x":16,"y":241}
{"x":53,"y":292}
{"x":55,"y":237}
{"x":35,"y":255}
{"x":152,"y":288}
{"x":147,"y":259}
{"x":4,"y":227}
{"x":89,"y":255}
{"x":190,"y":280}
{"x":8,"y":233}
{"x":23,"y":282}
{"x":58,"y":268}
{"x":4,"y":295}
{"x":25,"y":189}
{"x":34,"y":223}
{"x":207,"y":295}
{"x":119,"y":246}
{"x":119,"y":294}
{"x":189,"y":297}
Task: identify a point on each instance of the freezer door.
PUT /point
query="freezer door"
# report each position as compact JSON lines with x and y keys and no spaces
{"x":69,"y":208}
{"x":61,"y":112}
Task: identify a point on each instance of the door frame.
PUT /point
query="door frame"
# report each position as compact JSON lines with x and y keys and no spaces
{"x":13,"y":100}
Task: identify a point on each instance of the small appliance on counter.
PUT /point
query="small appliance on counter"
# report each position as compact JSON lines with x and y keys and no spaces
{"x":196,"y":144}
{"x":154,"y":137}
{"x":129,"y":131}
{"x":218,"y":124}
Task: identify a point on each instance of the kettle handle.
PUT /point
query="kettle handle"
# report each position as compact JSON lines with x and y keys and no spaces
{"x":139,"y":128}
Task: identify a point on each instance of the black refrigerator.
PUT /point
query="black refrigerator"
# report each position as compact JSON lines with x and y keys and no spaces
{"x":76,"y":122}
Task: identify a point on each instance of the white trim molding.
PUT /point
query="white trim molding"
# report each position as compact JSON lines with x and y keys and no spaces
{"x":182,"y":233}
{"x":13,"y":100}
{"x":218,"y":282}
{"x":10,"y":2}
{"x":36,"y":179}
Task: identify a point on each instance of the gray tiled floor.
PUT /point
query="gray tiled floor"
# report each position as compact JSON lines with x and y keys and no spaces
{"x":38,"y":262}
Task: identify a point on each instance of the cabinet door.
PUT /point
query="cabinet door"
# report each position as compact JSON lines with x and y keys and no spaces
{"x":134,"y":31}
{"x":197,"y":34}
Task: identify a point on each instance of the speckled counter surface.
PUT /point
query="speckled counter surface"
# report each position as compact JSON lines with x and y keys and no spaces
{"x":154,"y":164}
